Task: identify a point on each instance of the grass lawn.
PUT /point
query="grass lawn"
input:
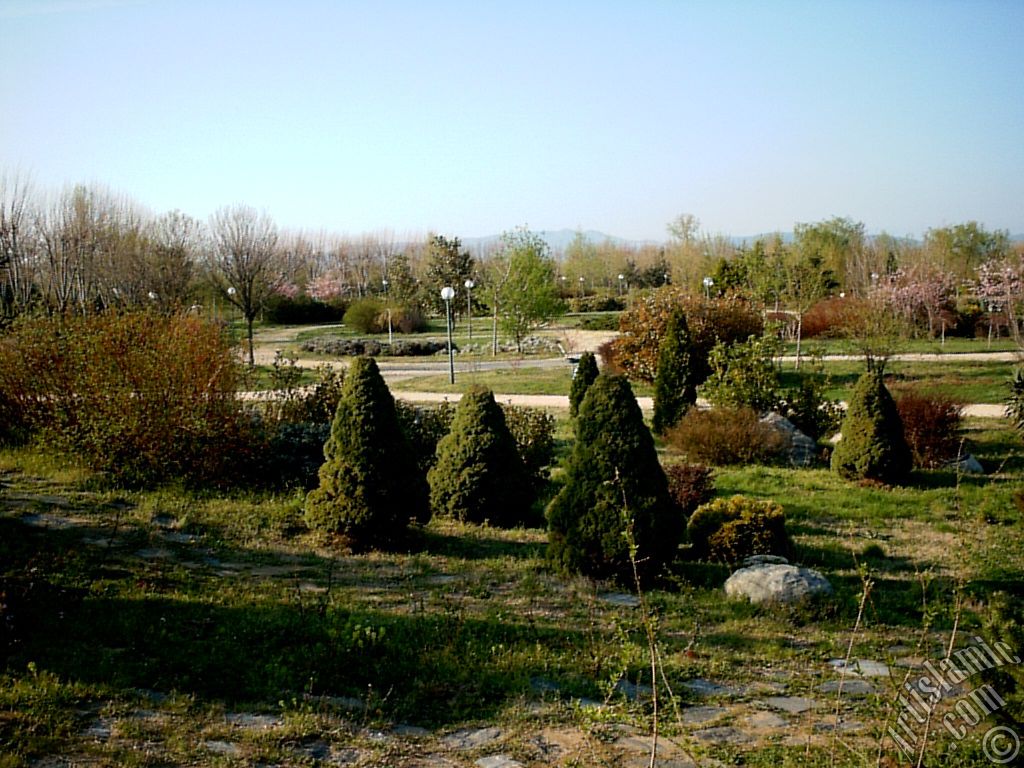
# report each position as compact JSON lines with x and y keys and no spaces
{"x":165,"y":627}
{"x":968,"y":381}
{"x":952,"y":345}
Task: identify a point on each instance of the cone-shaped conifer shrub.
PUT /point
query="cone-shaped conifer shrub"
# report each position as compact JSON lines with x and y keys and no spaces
{"x":478,"y":474}
{"x":612,"y":476}
{"x":582,"y":378}
{"x":873,"y":446}
{"x":370,"y":485}
{"x":674,"y":389}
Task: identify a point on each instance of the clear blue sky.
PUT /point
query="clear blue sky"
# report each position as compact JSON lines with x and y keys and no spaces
{"x":473,"y":117}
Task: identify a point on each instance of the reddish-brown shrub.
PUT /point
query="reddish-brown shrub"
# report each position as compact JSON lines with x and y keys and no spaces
{"x":931,"y":425}
{"x":641,"y":327}
{"x":142,"y":397}
{"x":828,"y":318}
{"x":723,"y":436}
{"x":690,"y":485}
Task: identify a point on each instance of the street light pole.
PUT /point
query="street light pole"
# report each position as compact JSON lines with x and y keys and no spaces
{"x":708,"y":282}
{"x":387,"y":302}
{"x":469,"y":307}
{"x":447,"y":294}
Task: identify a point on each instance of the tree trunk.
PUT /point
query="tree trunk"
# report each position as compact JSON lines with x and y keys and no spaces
{"x":799,"y":334}
{"x":248,"y":328}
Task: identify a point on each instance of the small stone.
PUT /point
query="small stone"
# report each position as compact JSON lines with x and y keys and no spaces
{"x":472,"y":738}
{"x":405,"y":731}
{"x":766,"y":720}
{"x":794,"y":705}
{"x":701,"y":715}
{"x":99,"y":730}
{"x":222,"y":747}
{"x":498,"y":761}
{"x":252,"y":721}
{"x":633,"y":691}
{"x":707,"y":688}
{"x":623,"y":599}
{"x":153,"y":554}
{"x":721,"y":735}
{"x":850,"y":687}
{"x":861,"y":667}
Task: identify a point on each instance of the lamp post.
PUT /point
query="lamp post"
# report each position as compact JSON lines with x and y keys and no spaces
{"x":622,"y":277}
{"x":387,"y":303}
{"x":447,"y":294}
{"x":469,"y":306}
{"x":708,"y":282}
{"x":581,"y":286}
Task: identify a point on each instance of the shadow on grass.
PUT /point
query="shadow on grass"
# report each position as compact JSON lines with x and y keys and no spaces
{"x":124,"y":630}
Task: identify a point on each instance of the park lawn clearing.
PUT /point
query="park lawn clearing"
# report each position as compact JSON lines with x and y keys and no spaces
{"x":161,"y":626}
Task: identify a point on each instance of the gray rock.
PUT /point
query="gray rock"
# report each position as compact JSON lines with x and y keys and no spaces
{"x":472,"y":738}
{"x":861,"y":667}
{"x":851,"y":687}
{"x":498,"y":761}
{"x":633,"y":691}
{"x":968,"y":465}
{"x":768,"y":720}
{"x":707,"y":688}
{"x":794,"y":705}
{"x":801,"y":448}
{"x":722,"y":735}
{"x":620,"y":598}
{"x":701,"y":715}
{"x":777,"y":583}
{"x":222,"y":747}
{"x":764,"y":560}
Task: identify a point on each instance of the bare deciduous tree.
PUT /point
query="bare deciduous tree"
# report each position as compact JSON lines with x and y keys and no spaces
{"x":244,"y":262}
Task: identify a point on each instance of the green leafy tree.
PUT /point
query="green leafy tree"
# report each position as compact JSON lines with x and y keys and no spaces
{"x":806,"y":280}
{"x":613,"y":485}
{"x":744,"y":375}
{"x":873,"y":446}
{"x":528,"y":295}
{"x":836,"y":245}
{"x":585,"y":375}
{"x":479,"y":474}
{"x":369,"y":482}
{"x":963,"y":248}
{"x":448,"y":264}
{"x":674,"y":388}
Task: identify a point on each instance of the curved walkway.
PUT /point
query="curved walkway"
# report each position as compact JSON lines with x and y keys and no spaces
{"x":556,"y":402}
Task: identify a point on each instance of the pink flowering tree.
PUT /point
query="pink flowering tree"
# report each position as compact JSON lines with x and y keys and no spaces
{"x":326,"y":286}
{"x":1000,"y":287}
{"x":923,"y":289}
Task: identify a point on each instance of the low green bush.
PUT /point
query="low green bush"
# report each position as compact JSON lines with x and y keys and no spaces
{"x":479,"y":475}
{"x":728,"y":530}
{"x":364,"y":316}
{"x":533,"y":431}
{"x":743,"y":374}
{"x":424,"y":426}
{"x":369,"y":484}
{"x":302,"y":310}
{"x":873,"y":446}
{"x":584,"y":375}
{"x":596,"y":304}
